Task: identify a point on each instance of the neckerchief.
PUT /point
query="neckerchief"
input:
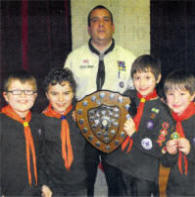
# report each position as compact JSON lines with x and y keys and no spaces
{"x":66,"y":147}
{"x":100,"y":79}
{"x":138,"y":116}
{"x":189,"y":111}
{"x":30,"y":148}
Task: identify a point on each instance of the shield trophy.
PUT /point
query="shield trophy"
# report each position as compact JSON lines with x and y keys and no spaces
{"x":101,"y":116}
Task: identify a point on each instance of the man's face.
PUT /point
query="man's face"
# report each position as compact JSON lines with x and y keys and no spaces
{"x":101,"y":27}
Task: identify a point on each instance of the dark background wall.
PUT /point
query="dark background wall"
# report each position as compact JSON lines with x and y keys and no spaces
{"x":173,"y":34}
{"x":36,"y":36}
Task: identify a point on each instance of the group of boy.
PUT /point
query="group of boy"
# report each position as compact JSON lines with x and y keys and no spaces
{"x":45,"y":154}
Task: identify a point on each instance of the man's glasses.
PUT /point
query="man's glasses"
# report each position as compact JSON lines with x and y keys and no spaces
{"x":19,"y":92}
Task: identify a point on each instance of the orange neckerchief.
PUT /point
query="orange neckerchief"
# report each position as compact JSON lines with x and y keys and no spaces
{"x":138,"y":116}
{"x":28,"y":139}
{"x":190,"y":111}
{"x":67,"y":152}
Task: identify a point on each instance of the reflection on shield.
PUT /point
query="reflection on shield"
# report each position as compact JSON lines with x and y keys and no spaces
{"x":101,"y":117}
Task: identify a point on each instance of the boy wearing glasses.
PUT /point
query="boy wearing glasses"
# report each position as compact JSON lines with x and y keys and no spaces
{"x":20,"y":136}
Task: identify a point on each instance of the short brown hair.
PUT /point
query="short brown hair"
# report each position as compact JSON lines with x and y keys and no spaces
{"x":58,"y":76}
{"x":96,"y":8}
{"x":180,"y":79}
{"x":23,"y":76}
{"x":144,"y":63}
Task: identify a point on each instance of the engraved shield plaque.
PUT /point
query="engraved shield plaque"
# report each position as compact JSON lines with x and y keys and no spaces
{"x":101,"y":116}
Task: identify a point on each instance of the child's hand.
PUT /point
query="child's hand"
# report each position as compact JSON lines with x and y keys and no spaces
{"x":46,"y":191}
{"x":172,"y":146}
{"x":184,"y":145}
{"x":129,"y":127}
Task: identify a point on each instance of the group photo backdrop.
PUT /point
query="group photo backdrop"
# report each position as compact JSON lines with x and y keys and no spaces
{"x":38,"y":35}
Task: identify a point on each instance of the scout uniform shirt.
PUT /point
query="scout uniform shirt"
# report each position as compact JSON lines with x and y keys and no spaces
{"x":84,"y":64}
{"x":182,"y":184}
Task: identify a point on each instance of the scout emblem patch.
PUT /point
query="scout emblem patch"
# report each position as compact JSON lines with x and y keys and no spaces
{"x":101,"y":116}
{"x":121,"y":67}
{"x":147,"y":143}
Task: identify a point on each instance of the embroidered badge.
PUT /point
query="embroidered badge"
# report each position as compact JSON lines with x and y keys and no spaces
{"x":121,"y":67}
{"x":163,"y":133}
{"x":146,"y":143}
{"x":121,"y":84}
{"x":152,"y":115}
{"x":165,"y":125}
{"x":86,"y":66}
{"x":161,"y":139}
{"x":150,"y":124}
{"x":155,"y":110}
{"x":174,"y":135}
{"x":83,"y":66}
{"x":164,"y":150}
{"x":85,"y":61}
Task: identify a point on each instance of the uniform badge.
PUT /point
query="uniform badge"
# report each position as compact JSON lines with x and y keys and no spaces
{"x":152,"y":115}
{"x":164,"y":150}
{"x":85,"y":61}
{"x":163,"y":133}
{"x":121,"y":66}
{"x":146,"y":143}
{"x":85,"y":64}
{"x":155,"y":110}
{"x":121,"y":84}
{"x":150,"y":124}
{"x":174,"y":135}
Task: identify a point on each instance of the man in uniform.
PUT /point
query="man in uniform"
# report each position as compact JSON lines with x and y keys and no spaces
{"x":101,"y":64}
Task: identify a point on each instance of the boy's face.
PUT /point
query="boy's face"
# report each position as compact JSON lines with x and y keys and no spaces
{"x":178,"y":99}
{"x":145,"y":82}
{"x":20,"y":96}
{"x":60,"y":96}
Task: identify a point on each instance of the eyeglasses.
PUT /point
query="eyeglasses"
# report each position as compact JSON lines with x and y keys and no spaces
{"x":19,"y":92}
